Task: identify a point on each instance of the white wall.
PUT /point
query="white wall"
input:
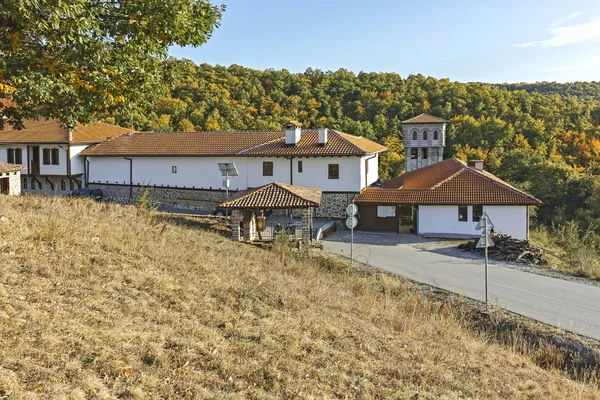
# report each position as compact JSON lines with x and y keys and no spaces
{"x":510,"y":220}
{"x":60,"y":169}
{"x":77,"y":166}
{"x":316,"y":174}
{"x":4,"y":153}
{"x":203,"y":172}
{"x":373,"y":175}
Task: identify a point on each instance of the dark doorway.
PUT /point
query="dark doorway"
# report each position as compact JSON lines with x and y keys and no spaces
{"x":4,"y":186}
{"x":35,"y":160}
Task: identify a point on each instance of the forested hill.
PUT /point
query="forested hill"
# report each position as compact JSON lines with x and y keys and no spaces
{"x":547,"y":144}
{"x":583,"y":90}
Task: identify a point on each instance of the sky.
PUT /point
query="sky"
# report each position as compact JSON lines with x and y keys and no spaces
{"x":486,"y":41}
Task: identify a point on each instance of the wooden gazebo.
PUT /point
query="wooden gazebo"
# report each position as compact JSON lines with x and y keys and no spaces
{"x":274,"y":196}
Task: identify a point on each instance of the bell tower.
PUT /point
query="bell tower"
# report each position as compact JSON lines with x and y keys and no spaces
{"x":424,"y":138}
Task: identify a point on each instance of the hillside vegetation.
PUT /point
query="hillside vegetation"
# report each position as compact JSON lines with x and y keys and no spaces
{"x":105,"y":301}
{"x":543,"y":137}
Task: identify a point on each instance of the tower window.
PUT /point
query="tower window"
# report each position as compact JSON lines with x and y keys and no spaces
{"x":413,"y":153}
{"x":424,"y":135}
{"x":423,"y":152}
{"x":414,"y":135}
{"x":435,"y":135}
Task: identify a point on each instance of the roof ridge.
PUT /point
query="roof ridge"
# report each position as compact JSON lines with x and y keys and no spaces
{"x":258,"y":145}
{"x":341,"y":135}
{"x":502,"y":183}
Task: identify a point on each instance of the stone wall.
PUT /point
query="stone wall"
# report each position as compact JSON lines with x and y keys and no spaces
{"x":333,"y":205}
{"x":192,"y":199}
{"x":48,"y":185}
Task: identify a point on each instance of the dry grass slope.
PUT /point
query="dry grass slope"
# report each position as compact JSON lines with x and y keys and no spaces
{"x":102,"y":301}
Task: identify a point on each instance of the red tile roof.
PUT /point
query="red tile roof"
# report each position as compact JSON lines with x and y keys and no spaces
{"x":249,"y":143}
{"x":425,"y":119}
{"x":51,"y":131}
{"x":448,"y":182}
{"x":277,"y":195}
{"x":6,"y":167}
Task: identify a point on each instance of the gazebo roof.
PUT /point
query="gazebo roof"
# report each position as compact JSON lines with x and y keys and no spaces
{"x":277,"y":195}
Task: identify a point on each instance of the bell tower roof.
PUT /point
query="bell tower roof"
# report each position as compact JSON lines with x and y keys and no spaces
{"x":425,"y":119}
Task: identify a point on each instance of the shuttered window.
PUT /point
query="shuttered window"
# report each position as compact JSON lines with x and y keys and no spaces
{"x":10,"y":156}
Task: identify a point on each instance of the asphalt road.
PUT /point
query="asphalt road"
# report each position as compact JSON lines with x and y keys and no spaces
{"x":568,"y":305}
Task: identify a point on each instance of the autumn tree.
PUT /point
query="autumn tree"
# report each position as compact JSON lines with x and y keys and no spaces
{"x":75,"y":59}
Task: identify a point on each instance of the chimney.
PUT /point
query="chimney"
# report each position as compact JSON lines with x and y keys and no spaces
{"x":70,"y":135}
{"x":293,"y":130}
{"x":477,"y":164}
{"x":323,"y":136}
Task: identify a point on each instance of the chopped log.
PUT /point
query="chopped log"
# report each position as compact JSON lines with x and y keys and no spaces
{"x":509,"y":249}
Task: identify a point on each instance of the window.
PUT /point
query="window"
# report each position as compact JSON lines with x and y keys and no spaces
{"x":435,"y":135}
{"x":268,"y":168}
{"x":46,"y":157}
{"x":334,"y":171}
{"x":477,"y":213}
{"x":414,"y":135}
{"x":424,"y":135}
{"x":71,"y":185}
{"x":63,"y":185}
{"x":54,"y":154}
{"x":423,"y":154}
{"x":300,"y":166}
{"x":24,"y":183}
{"x":463,"y":213}
{"x":50,"y":156}
{"x":386,"y":211}
{"x":14,"y":156}
{"x":174,"y":169}
{"x":413,"y":153}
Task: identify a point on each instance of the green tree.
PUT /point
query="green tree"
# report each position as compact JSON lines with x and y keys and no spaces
{"x":74,"y":59}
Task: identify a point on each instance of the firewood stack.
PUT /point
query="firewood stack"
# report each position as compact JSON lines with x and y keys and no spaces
{"x":507,"y":248}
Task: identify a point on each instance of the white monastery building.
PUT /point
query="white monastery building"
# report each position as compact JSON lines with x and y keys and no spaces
{"x":183,"y":168}
{"x":49,"y":153}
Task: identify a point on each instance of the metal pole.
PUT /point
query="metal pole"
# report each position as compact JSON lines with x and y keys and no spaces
{"x":352,"y":245}
{"x":226,"y":193}
{"x":485,"y":232}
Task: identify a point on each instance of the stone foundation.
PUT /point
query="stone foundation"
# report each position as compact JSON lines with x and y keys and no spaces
{"x":333,"y":205}
{"x":51,"y":185}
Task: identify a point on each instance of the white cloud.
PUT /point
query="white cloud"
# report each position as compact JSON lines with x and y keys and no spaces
{"x":567,"y":18}
{"x":568,"y":35}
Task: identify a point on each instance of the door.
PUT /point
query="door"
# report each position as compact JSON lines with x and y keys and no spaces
{"x":4,"y":186}
{"x":35,"y":160}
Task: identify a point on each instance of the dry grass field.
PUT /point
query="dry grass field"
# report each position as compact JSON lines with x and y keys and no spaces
{"x":104,"y":301}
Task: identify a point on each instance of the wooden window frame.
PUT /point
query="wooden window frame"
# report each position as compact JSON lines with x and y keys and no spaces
{"x":299,"y":166}
{"x":46,"y":157}
{"x":268,"y":168}
{"x":333,"y":171}
{"x":55,"y":156}
{"x":466,"y":213}
{"x":10,"y":156}
{"x":18,"y":156}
